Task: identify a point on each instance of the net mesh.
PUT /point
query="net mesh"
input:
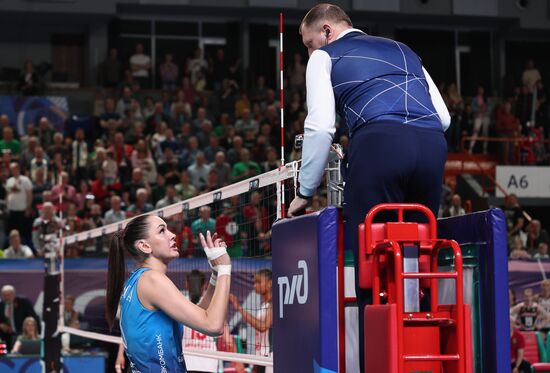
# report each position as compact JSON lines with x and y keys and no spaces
{"x":241,"y":213}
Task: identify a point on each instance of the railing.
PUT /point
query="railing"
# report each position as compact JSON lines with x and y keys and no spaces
{"x":519,"y":150}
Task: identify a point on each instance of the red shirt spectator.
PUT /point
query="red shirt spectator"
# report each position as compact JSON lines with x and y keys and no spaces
{"x":517,"y":342}
{"x":67,"y":191}
{"x":184,"y":240}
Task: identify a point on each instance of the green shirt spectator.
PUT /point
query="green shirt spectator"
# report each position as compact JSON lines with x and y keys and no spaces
{"x":8,"y":143}
{"x":245,"y":168}
{"x":203,"y":224}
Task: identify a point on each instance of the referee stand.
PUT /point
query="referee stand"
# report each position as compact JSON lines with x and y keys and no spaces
{"x":465,"y":329}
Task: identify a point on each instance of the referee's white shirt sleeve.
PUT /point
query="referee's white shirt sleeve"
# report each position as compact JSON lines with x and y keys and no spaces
{"x":438,"y":102}
{"x":320,"y":123}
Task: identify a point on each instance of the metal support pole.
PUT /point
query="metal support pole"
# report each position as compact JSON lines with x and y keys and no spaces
{"x":335,"y":183}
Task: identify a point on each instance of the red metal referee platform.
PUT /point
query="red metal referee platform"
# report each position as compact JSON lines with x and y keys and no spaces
{"x":399,"y":261}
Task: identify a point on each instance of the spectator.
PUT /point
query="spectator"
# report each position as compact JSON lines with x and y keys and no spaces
{"x":185,"y":188}
{"x":169,"y":72}
{"x":129,"y":81}
{"x":16,"y":250}
{"x":58,"y":146}
{"x":110,"y":168}
{"x":530,"y":75}
{"x":19,"y":202}
{"x":110,"y":70}
{"x":535,"y":235}
{"x":481,"y":118}
{"x":204,"y":134}
{"x":258,"y":91}
{"x":109,"y":115}
{"x":44,"y":230}
{"x":524,"y":106}
{"x":196,"y":65}
{"x":222,"y":69}
{"x":517,"y":344}
{"x":529,"y":314}
{"x":170,"y":166}
{"x":143,"y":159}
{"x":514,"y":216}
{"x":297,"y":74}
{"x":30,"y":131}
{"x":234,"y":153}
{"x":543,"y":299}
{"x":184,"y":239}
{"x":4,"y":122}
{"x":271,"y":162}
{"x":542,"y":252}
{"x":198,"y":171}
{"x":39,"y":185}
{"x":156,"y":119}
{"x":115,"y":213}
{"x":169,"y":199}
{"x":45,"y":133}
{"x":141,"y":206}
{"x":196,"y":286}
{"x":203,"y":224}
{"x":262,"y":321}
{"x":228,"y":96}
{"x":181,"y":113}
{"x":64,"y":190}
{"x":242,"y":104}
{"x":140,"y":63}
{"x":507,"y":126}
{"x":246,"y":123}
{"x":245,"y":168}
{"x":518,"y":250}
{"x":72,"y":219}
{"x":211,"y":182}
{"x":27,"y":153}
{"x":9,"y":144}
{"x":455,"y":209}
{"x":29,"y":332}
{"x":124,"y":104}
{"x":213,"y":148}
{"x":136,"y":182}
{"x":158,"y":137}
{"x":222,"y":168}
{"x":70,"y":315}
{"x":13,"y":311}
{"x":38,"y":162}
{"x":29,"y":82}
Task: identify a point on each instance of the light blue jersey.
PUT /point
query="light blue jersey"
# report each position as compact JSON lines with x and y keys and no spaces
{"x":152,"y":339}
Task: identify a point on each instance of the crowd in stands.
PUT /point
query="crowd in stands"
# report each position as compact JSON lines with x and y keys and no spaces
{"x":143,"y":149}
{"x":520,"y":119}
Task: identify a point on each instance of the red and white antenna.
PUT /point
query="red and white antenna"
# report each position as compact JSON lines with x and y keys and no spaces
{"x":282,"y":101}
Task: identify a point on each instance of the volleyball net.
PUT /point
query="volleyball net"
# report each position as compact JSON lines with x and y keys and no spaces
{"x":241,"y":213}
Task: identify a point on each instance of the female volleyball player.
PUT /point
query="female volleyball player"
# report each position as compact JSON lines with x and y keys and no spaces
{"x":152,"y":308}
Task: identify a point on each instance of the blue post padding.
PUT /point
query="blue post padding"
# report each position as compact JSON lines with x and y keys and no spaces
{"x":328,"y":294}
{"x":488,"y":230}
{"x":305,"y":323}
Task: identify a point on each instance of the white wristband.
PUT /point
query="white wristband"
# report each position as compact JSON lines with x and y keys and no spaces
{"x":213,"y":279}
{"x":224,"y":269}
{"x":214,"y":252}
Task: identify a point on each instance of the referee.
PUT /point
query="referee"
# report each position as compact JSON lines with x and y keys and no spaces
{"x":394,"y":113}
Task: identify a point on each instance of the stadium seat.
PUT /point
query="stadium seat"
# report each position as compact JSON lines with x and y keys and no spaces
{"x":532,"y":353}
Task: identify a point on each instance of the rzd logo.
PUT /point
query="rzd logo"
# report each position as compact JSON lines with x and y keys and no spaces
{"x":290,"y":290}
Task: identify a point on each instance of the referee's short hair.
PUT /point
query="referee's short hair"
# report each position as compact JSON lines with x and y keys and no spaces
{"x":324,"y":11}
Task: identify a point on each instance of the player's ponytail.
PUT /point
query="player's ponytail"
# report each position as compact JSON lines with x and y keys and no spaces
{"x":121,"y":242}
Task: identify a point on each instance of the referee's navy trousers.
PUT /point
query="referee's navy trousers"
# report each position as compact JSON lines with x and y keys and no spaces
{"x":389,"y":162}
